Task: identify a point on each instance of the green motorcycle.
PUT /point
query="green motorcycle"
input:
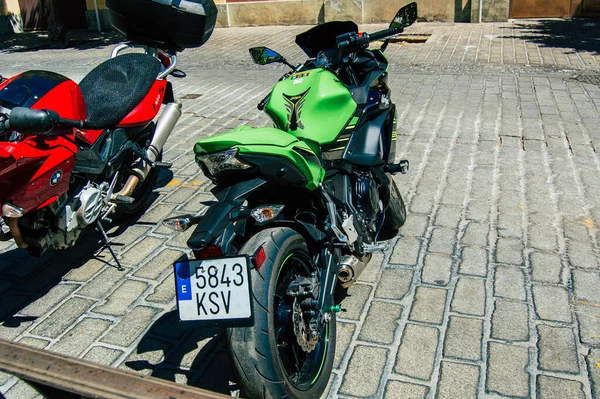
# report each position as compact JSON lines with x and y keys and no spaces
{"x":300,"y":209}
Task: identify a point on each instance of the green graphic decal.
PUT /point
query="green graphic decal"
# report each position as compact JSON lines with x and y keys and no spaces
{"x":294,"y":106}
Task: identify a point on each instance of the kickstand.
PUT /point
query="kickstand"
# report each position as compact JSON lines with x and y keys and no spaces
{"x":107,"y":245}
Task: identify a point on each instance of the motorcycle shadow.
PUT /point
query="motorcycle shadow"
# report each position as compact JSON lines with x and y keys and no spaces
{"x":185,"y":353}
{"x":24,"y":279}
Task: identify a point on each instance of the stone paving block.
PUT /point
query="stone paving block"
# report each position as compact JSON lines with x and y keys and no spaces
{"x":141,"y":251}
{"x":581,"y":254}
{"x":103,"y":355}
{"x":506,"y":373}
{"x":509,"y":283}
{"x":469,"y":296}
{"x":589,"y":323}
{"x":458,"y":381}
{"x":194,"y":349}
{"x":448,"y":216}
{"x":354,"y":303}
{"x":163,"y":292}
{"x":586,"y":286}
{"x":542,"y":237}
{"x":62,"y":318}
{"x":4,"y":378}
{"x":343,"y":337}
{"x":129,"y":328}
{"x":105,"y":281}
{"x":45,"y":304}
{"x":510,"y":321}
{"x":545,"y":267}
{"x":406,"y":251}
{"x":22,"y":390}
{"x":429,"y":305}
{"x":593,"y":364}
{"x":463,"y":338}
{"x":158,"y":213}
{"x":394,"y":283}
{"x":557,"y":349}
{"x":476,"y":234}
{"x":118,"y":301}
{"x":84,"y":272}
{"x":146,"y":356}
{"x":474,"y":261}
{"x":552,"y":303}
{"x":509,"y":225}
{"x":559,"y":388}
{"x":81,"y":336}
{"x":442,"y":241}
{"x":371,"y":272}
{"x":404,"y":390}
{"x":509,"y":250}
{"x":381,"y":322}
{"x":127,"y":237}
{"x":417,"y":351}
{"x":415,"y":225}
{"x":156,"y":266}
{"x":364,"y":371}
{"x":35,"y":342}
{"x":437,"y":269}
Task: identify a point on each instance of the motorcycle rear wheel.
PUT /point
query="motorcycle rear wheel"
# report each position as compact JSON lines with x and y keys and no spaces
{"x":267,"y":357}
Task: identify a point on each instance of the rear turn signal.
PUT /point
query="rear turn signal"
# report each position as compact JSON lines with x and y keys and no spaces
{"x":266,"y":212}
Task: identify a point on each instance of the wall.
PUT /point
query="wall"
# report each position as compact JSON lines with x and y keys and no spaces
{"x":10,"y":17}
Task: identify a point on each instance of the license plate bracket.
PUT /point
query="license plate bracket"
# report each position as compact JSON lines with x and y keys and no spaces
{"x":215,"y":292}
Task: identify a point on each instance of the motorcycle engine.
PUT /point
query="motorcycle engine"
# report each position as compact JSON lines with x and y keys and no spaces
{"x":83,"y":209}
{"x":366,"y":200}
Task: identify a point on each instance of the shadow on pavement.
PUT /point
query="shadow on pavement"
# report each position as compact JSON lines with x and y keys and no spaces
{"x":580,"y":34}
{"x":185,"y":353}
{"x":25,"y":278}
{"x":76,"y":39}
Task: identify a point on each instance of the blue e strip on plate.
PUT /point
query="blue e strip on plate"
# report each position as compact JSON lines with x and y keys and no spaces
{"x":184,"y":286}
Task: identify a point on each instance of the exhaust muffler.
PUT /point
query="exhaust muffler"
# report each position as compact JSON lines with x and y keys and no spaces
{"x":165,"y":125}
{"x":350,"y":269}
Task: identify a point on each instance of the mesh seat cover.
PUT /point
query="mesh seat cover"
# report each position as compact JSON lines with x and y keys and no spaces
{"x":115,"y":87}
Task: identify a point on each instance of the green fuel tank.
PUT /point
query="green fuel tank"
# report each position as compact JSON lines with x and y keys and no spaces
{"x":311,"y":105}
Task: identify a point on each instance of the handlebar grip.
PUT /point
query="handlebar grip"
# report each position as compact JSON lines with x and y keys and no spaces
{"x":382,"y":34}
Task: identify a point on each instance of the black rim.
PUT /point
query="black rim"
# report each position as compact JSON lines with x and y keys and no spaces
{"x":302,"y":369}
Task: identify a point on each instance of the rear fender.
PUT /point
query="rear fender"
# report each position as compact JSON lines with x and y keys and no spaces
{"x":219,"y":216}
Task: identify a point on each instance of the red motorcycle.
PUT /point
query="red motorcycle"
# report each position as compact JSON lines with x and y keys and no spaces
{"x":73,"y":156}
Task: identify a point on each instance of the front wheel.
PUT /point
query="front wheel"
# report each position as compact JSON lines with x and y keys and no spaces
{"x":270,"y":359}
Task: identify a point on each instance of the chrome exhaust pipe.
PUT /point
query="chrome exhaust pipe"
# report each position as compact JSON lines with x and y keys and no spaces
{"x":350,"y":269}
{"x":165,"y":125}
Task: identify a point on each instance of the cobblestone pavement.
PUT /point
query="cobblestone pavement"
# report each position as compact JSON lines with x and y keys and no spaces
{"x":491,"y":290}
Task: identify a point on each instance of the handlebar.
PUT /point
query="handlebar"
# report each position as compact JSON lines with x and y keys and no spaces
{"x":32,"y":121}
{"x":362,"y":40}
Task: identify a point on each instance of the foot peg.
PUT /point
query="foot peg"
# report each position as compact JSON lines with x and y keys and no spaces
{"x":162,"y":165}
{"x":122,"y":199}
{"x":394,"y":168}
{"x":370,"y":248}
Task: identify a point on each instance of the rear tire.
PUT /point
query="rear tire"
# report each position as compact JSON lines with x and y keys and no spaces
{"x":260,"y":353}
{"x":395,"y":214}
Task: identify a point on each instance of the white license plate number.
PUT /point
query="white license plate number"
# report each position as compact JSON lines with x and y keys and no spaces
{"x":214,"y":290}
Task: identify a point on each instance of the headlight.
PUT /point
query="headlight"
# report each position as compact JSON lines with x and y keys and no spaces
{"x":220,"y":161}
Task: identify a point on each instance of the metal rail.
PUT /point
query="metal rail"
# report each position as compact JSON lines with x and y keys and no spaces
{"x":68,"y":374}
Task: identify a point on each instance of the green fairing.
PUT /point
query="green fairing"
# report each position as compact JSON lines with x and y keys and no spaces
{"x":266,"y":141}
{"x":327,"y":107}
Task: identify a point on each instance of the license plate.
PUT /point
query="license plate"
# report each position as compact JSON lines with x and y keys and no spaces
{"x":214,"y":290}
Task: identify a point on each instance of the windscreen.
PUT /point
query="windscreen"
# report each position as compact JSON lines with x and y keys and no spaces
{"x":322,"y":37}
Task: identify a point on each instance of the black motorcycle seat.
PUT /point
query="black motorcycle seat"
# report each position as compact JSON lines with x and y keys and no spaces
{"x":115,"y":87}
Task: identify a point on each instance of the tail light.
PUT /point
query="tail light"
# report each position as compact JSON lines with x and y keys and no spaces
{"x":212,"y":251}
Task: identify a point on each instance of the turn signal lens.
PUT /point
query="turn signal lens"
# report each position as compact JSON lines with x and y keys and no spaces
{"x":266,"y":212}
{"x":12,"y":211}
{"x":178,"y":223}
{"x":220,"y":161}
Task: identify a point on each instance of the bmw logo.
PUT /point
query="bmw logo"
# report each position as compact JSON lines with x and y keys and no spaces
{"x":56,"y":177}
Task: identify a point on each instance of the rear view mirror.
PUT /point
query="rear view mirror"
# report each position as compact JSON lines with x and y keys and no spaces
{"x":264,"y":55}
{"x":406,"y":16}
